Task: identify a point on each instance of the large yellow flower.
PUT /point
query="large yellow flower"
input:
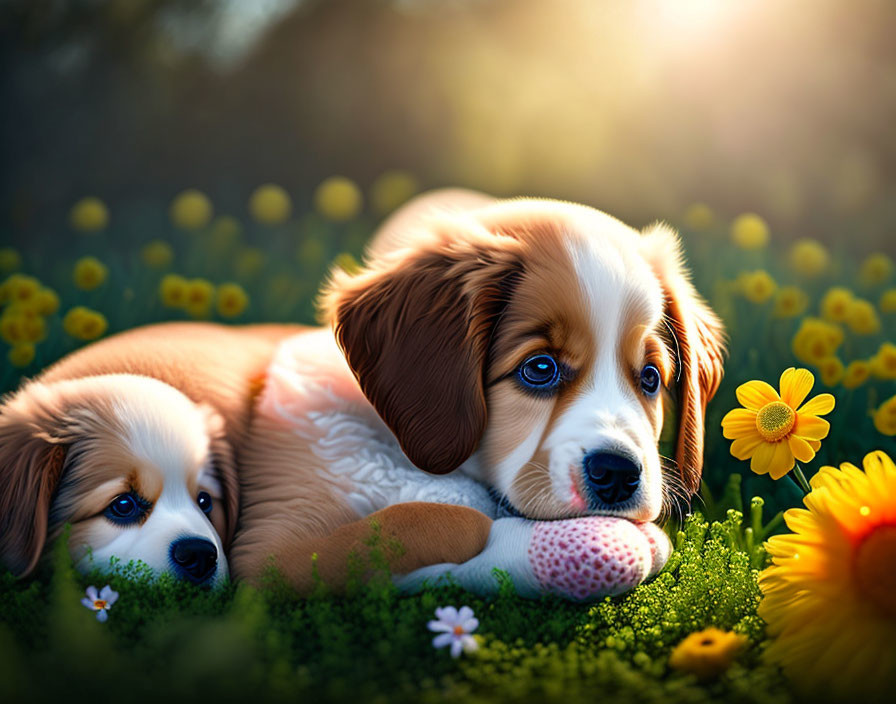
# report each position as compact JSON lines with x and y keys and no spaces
{"x":830,"y":594}
{"x":772,"y":430}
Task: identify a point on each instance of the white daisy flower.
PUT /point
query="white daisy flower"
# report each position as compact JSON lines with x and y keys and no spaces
{"x":454,"y":628}
{"x":100,"y":602}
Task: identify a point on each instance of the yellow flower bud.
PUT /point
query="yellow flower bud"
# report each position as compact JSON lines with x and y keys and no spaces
{"x":89,"y":215}
{"x":831,"y":370}
{"x":231,"y":300}
{"x":199,"y":296}
{"x":757,"y":286}
{"x":809,"y":257}
{"x":173,"y":291}
{"x":21,"y":354}
{"x":270,"y":204}
{"x":862,"y":318}
{"x":89,"y":273}
{"x":836,"y":303}
{"x":885,"y":417}
{"x":157,"y":254}
{"x":876,"y":269}
{"x":391,"y":189}
{"x":856,"y":374}
{"x":790,"y":302}
{"x":338,"y":199}
{"x":190,"y":210}
{"x":888,"y":301}
{"x":749,"y":231}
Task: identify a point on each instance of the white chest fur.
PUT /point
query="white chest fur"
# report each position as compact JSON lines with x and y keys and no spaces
{"x":311,"y":391}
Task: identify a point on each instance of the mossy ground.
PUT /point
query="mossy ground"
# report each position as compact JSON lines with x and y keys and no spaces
{"x":168,"y":641}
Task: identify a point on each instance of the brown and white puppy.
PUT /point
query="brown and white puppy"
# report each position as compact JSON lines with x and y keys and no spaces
{"x":527,"y":345}
{"x":140,"y":469}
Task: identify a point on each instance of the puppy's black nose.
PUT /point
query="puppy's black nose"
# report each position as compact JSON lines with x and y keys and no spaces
{"x":194,"y":559}
{"x":611,"y":478}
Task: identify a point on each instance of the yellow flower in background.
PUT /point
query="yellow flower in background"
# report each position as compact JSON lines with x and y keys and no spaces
{"x":270,"y":204}
{"x":21,"y":324}
{"x":249,"y":262}
{"x":829,"y":597}
{"x":338,"y":199}
{"x":231,"y":300}
{"x":888,"y":301}
{"x":19,"y":288}
{"x":10,"y":260}
{"x":190,"y":210}
{"x":831,"y":370}
{"x":199,"y":296}
{"x":790,"y":302}
{"x":89,"y":215}
{"x":47,"y":301}
{"x":157,"y":254}
{"x":809,"y":257}
{"x":707,"y":653}
{"x":84,"y":324}
{"x":836,"y":303}
{"x":862,"y":318}
{"x":856,"y":374}
{"x":89,"y":273}
{"x":226,"y":231}
{"x":883,"y":364}
{"x":876,"y":269}
{"x":391,"y":189}
{"x":773,"y":430}
{"x":749,"y":231}
{"x":816,"y":340}
{"x":173,"y":290}
{"x":757,"y":286}
{"x":347,"y":263}
{"x":21,"y":354}
{"x":885,"y":417}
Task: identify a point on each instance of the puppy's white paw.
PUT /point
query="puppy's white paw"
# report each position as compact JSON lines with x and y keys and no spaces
{"x":581,"y":559}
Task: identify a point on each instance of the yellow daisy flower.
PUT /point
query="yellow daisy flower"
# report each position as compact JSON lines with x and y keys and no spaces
{"x":883,"y":364}
{"x":809,"y":257}
{"x":790,"y":302}
{"x":749,"y":231}
{"x":231,"y":300}
{"x":772,"y":430}
{"x":888,"y":301}
{"x":862,"y":318}
{"x":89,"y":273}
{"x":816,"y":340}
{"x":391,"y":189}
{"x":885,"y":417}
{"x":830,"y":593}
{"x":270,"y":204}
{"x":10,"y":259}
{"x":856,"y":374}
{"x":338,"y":199}
{"x":190,"y":210}
{"x":756,"y":286}
{"x":199,"y":296}
{"x":157,"y":254}
{"x":84,"y":324}
{"x":89,"y":215}
{"x":707,"y":653}
{"x":876,"y":269}
{"x":836,"y":303}
{"x":21,"y":354}
{"x":831,"y":370}
{"x":173,"y":290}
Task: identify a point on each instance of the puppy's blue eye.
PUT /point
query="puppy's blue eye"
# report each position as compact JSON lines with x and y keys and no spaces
{"x":126,"y":508}
{"x":205,"y":502}
{"x":540,"y":372}
{"x":650,"y":380}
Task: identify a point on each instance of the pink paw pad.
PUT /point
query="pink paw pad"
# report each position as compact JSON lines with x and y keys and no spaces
{"x":587,"y":558}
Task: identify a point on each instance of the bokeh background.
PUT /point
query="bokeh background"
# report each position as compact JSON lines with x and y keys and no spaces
{"x":212,"y":159}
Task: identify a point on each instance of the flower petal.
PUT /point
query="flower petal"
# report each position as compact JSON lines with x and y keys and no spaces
{"x":441,"y":640}
{"x":456,"y":648}
{"x":91,"y":593}
{"x":470,"y":625}
{"x":464,"y":613}
{"x":795,"y":386}
{"x":113,"y":597}
{"x":801,"y":449}
{"x":762,"y":458}
{"x":469,"y":644}
{"x":811,"y":427}
{"x":755,"y":394}
{"x":448,"y":614}
{"x":102,"y":615}
{"x":88,"y":603}
{"x":439,"y":627}
{"x":739,"y":423}
{"x":782,"y":461}
{"x":818,"y":406}
{"x":743,"y":448}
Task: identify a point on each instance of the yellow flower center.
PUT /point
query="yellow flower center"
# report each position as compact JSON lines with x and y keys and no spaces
{"x":458,"y":631}
{"x":874,"y":560}
{"x":775,"y":420}
{"x":99,"y":604}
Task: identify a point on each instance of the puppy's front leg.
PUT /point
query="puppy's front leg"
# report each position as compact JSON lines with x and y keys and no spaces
{"x":581,"y":559}
{"x":428,"y":533}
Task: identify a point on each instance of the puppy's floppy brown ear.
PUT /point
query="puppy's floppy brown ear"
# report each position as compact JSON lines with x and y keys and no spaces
{"x":32,"y":458}
{"x":222,"y":457}
{"x":698,"y":346}
{"x":415,"y":328}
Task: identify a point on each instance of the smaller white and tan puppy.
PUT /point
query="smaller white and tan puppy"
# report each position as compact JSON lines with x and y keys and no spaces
{"x":137,"y":469}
